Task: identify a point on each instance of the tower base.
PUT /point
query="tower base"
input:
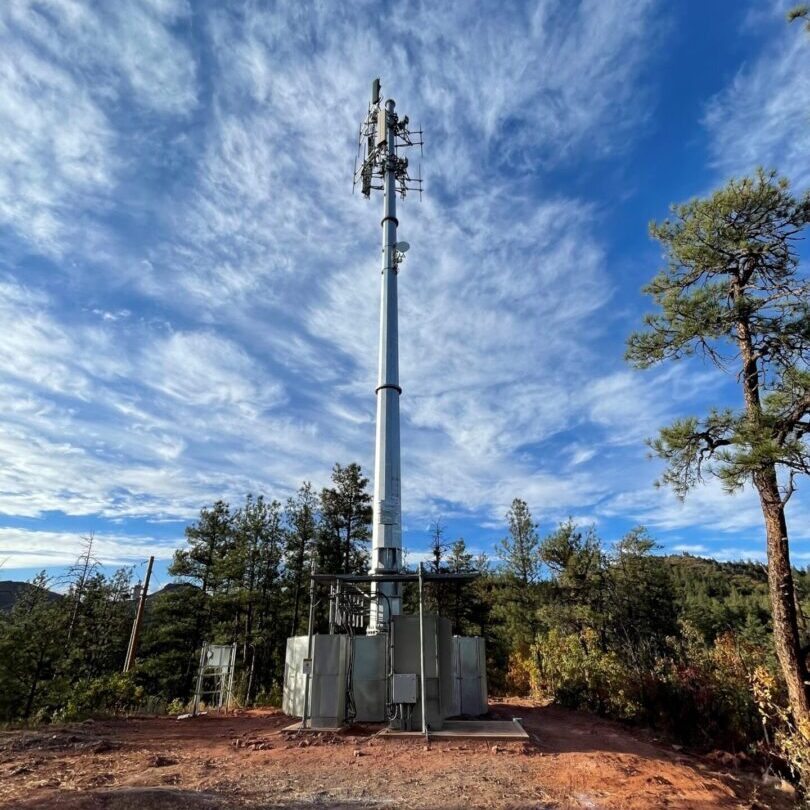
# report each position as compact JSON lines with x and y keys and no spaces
{"x":378,"y":679}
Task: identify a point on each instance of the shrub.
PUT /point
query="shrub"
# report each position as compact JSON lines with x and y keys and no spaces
{"x":698,"y":694}
{"x":271,"y":697}
{"x":785,"y":740}
{"x":176,"y":707}
{"x":701,"y":694}
{"x":518,"y":678}
{"x":109,"y":694}
{"x":575,"y":672}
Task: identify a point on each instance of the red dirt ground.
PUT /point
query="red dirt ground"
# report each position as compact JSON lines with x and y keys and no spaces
{"x":572,"y":760}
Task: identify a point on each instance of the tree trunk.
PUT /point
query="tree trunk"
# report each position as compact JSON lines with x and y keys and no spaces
{"x":783,"y":603}
{"x":250,"y":606}
{"x":780,"y":577}
{"x":297,"y":593}
{"x":32,"y":692}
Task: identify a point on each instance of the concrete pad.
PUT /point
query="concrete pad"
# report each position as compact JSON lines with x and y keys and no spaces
{"x":481,"y":729}
{"x":297,"y":727}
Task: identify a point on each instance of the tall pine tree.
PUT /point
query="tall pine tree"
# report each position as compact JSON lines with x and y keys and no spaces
{"x":301,"y":516}
{"x":520,"y":562}
{"x":731,"y":293}
{"x":345,"y":522}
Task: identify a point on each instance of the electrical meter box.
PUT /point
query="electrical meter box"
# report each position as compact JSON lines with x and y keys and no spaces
{"x":404,"y":688}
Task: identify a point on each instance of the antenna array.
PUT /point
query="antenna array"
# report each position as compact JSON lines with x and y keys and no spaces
{"x":373,"y":154}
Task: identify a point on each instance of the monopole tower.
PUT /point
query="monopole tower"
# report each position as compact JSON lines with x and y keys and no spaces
{"x":383,"y":135}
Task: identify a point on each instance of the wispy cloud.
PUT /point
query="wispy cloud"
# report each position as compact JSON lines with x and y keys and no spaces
{"x":691,"y":548}
{"x":74,"y":78}
{"x":709,"y":507}
{"x":22,"y":548}
{"x":763,"y":117}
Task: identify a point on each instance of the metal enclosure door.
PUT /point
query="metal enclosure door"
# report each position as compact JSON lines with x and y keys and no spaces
{"x":215,"y":676}
{"x":368,"y":677}
{"x":292,"y":702}
{"x":328,"y":683}
{"x":469,"y":676}
{"x":438,"y":663}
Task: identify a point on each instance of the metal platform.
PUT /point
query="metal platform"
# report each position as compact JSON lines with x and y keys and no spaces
{"x":480,"y":729}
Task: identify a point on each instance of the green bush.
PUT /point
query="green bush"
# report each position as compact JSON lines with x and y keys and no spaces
{"x":575,"y":672}
{"x":108,"y":694}
{"x":699,"y":694}
{"x":177,"y":706}
{"x":269,"y":698}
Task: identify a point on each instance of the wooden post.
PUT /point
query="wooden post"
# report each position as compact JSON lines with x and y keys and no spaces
{"x":136,"y":624}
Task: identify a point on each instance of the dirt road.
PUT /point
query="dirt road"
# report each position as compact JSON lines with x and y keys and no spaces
{"x":572,"y":761}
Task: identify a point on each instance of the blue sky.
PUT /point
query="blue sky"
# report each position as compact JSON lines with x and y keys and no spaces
{"x":189,"y":288}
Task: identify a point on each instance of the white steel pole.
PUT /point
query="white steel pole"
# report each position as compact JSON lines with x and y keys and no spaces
{"x":309,"y":673}
{"x":386,"y":543}
{"x":422,"y":689}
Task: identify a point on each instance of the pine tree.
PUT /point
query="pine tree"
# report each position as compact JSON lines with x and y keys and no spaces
{"x":460,"y":561}
{"x":77,"y":577}
{"x":577,"y":565}
{"x":460,"y":601}
{"x":438,"y":546}
{"x":169,"y":648}
{"x":244,"y":565}
{"x":731,"y":293}
{"x":31,"y":649}
{"x":800,"y":12}
{"x":520,"y":564}
{"x":641,"y":606}
{"x":102,"y":627}
{"x":345,"y":526}
{"x":260,"y":542}
{"x":210,"y":539}
{"x":301,"y":516}
{"x":519,"y":550}
{"x":205,"y":565}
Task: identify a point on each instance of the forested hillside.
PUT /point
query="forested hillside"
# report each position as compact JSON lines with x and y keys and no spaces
{"x":12,"y":590}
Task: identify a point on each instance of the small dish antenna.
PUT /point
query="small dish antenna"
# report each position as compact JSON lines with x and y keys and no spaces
{"x":402,"y":247}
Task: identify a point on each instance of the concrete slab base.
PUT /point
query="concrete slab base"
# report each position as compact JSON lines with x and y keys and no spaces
{"x":297,"y":727}
{"x":456,"y":729}
{"x":480,"y":729}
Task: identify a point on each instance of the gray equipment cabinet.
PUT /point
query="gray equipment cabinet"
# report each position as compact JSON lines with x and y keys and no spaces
{"x":368,"y":682}
{"x":469,"y":676}
{"x":327,"y":679}
{"x":438,"y":664}
{"x":375,"y":673}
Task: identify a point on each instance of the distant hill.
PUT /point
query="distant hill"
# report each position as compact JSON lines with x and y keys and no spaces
{"x":171,"y":587}
{"x":11,"y":591}
{"x":718,"y":596}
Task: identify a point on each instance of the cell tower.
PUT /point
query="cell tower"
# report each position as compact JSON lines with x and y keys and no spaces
{"x":404,"y":668}
{"x":382,"y":135}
